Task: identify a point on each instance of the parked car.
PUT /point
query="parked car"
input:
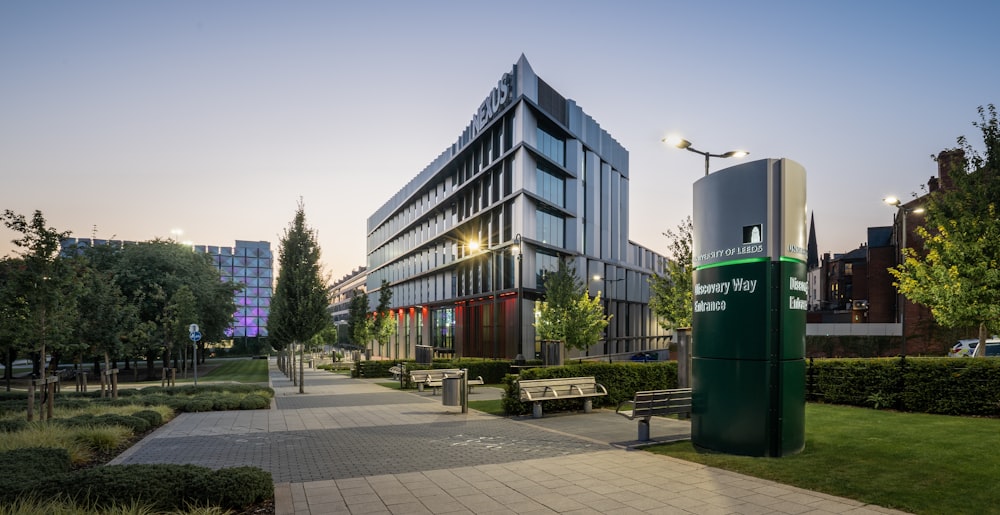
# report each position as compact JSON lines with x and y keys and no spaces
{"x":965,"y":348}
{"x":645,"y":356}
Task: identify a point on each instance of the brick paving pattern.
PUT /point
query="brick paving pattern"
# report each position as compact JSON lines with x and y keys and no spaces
{"x":352,"y":446}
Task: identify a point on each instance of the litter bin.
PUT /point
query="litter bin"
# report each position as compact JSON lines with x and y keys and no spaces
{"x":425,"y":354}
{"x":451,"y":391}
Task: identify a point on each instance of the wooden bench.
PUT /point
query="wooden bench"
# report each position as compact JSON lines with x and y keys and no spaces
{"x":396,"y":371}
{"x":434,"y":378}
{"x":655,"y":403}
{"x":539,"y":390}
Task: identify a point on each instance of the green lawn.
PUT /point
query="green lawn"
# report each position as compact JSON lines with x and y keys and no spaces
{"x":912,"y":462}
{"x":238,"y":370}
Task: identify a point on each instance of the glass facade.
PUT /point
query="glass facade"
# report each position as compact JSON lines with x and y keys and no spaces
{"x":251,"y":264}
{"x":532,"y":168}
{"x":552,"y":147}
{"x":551,"y":187}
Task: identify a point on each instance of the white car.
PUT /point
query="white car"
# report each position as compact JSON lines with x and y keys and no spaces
{"x":964,"y":348}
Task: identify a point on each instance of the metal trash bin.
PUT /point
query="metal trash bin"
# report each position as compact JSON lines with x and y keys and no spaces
{"x":451,"y":391}
{"x":425,"y":354}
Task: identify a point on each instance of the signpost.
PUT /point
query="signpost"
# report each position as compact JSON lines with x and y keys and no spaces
{"x":749,"y":319}
{"x":195,"y":336}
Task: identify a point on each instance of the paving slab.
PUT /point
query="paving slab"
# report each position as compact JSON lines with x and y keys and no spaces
{"x":352,"y":446}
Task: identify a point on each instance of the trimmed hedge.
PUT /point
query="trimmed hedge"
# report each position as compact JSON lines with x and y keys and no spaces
{"x":163,"y":486}
{"x":23,"y":466}
{"x":621,"y":379}
{"x":947,"y":386}
{"x":492,"y":371}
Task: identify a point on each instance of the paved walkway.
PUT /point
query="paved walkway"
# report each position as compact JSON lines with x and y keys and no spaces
{"x":351,"y":446}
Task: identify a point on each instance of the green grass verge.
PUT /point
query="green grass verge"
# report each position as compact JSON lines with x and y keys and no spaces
{"x":493,"y":407}
{"x":240,"y":371}
{"x":908,"y":461}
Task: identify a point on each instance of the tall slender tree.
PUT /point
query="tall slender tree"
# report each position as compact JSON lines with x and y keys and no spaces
{"x":299,"y":308}
{"x":385,"y":323}
{"x":359,"y":322}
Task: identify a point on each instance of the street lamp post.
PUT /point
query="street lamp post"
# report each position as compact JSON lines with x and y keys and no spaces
{"x":685,"y":144}
{"x":496,"y":293}
{"x":905,"y":212}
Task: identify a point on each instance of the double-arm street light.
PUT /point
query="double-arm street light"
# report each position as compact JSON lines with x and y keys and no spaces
{"x":904,"y":212}
{"x":685,"y":144}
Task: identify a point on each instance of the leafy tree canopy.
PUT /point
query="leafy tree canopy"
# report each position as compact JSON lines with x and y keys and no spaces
{"x":958,"y":275}
{"x":670,"y":298}
{"x":568,"y":313}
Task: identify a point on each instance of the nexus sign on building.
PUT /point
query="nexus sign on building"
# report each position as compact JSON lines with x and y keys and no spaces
{"x":749,"y":323}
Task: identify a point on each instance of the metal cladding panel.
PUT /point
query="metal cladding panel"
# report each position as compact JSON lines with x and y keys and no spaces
{"x":792,"y":202}
{"x":755,"y":209}
{"x":730,"y":214}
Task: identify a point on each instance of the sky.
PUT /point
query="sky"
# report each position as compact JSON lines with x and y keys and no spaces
{"x":127,"y":120}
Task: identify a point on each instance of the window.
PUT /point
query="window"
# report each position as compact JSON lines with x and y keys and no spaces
{"x":551,"y":146}
{"x":551,"y":228}
{"x":551,"y":187}
{"x":443,"y":328}
{"x":544,"y":263}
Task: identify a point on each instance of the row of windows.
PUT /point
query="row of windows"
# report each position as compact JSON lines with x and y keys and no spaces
{"x":253,"y":301}
{"x":242,"y":261}
{"x":475,"y":197}
{"x":554,"y":148}
{"x":242,"y":275}
{"x":486,"y":150}
{"x":494,"y":229}
{"x":551,"y":187}
{"x":551,"y":229}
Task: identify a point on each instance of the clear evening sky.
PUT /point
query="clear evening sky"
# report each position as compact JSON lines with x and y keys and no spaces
{"x":215,"y":117}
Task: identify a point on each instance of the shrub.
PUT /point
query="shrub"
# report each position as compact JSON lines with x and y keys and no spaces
{"x":12,"y":425}
{"x":164,"y":487}
{"x":621,"y":379}
{"x":197,"y":405}
{"x":104,"y":439}
{"x":254,"y":401}
{"x":226,"y":402}
{"x":136,"y":424}
{"x":29,"y":464}
{"x":234,"y":487}
{"x":153,"y":418}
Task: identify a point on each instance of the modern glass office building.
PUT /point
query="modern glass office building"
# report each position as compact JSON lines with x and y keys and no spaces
{"x":465,"y":244}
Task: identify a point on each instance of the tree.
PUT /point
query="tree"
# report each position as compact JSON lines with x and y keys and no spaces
{"x":359,"y":323}
{"x":39,"y":281}
{"x":568,"y":314}
{"x":385,"y":323}
{"x":151,"y":275}
{"x":670,"y":298}
{"x":958,"y":276}
{"x":14,"y":316}
{"x":299,"y":308}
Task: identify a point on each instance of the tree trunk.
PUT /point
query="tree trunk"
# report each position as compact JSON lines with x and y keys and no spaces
{"x":302,"y":350}
{"x":980,"y":351}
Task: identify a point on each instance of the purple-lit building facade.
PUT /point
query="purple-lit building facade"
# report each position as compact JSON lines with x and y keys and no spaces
{"x":250,"y":263}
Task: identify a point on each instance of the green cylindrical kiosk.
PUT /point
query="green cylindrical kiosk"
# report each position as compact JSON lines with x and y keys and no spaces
{"x":750,"y":299}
